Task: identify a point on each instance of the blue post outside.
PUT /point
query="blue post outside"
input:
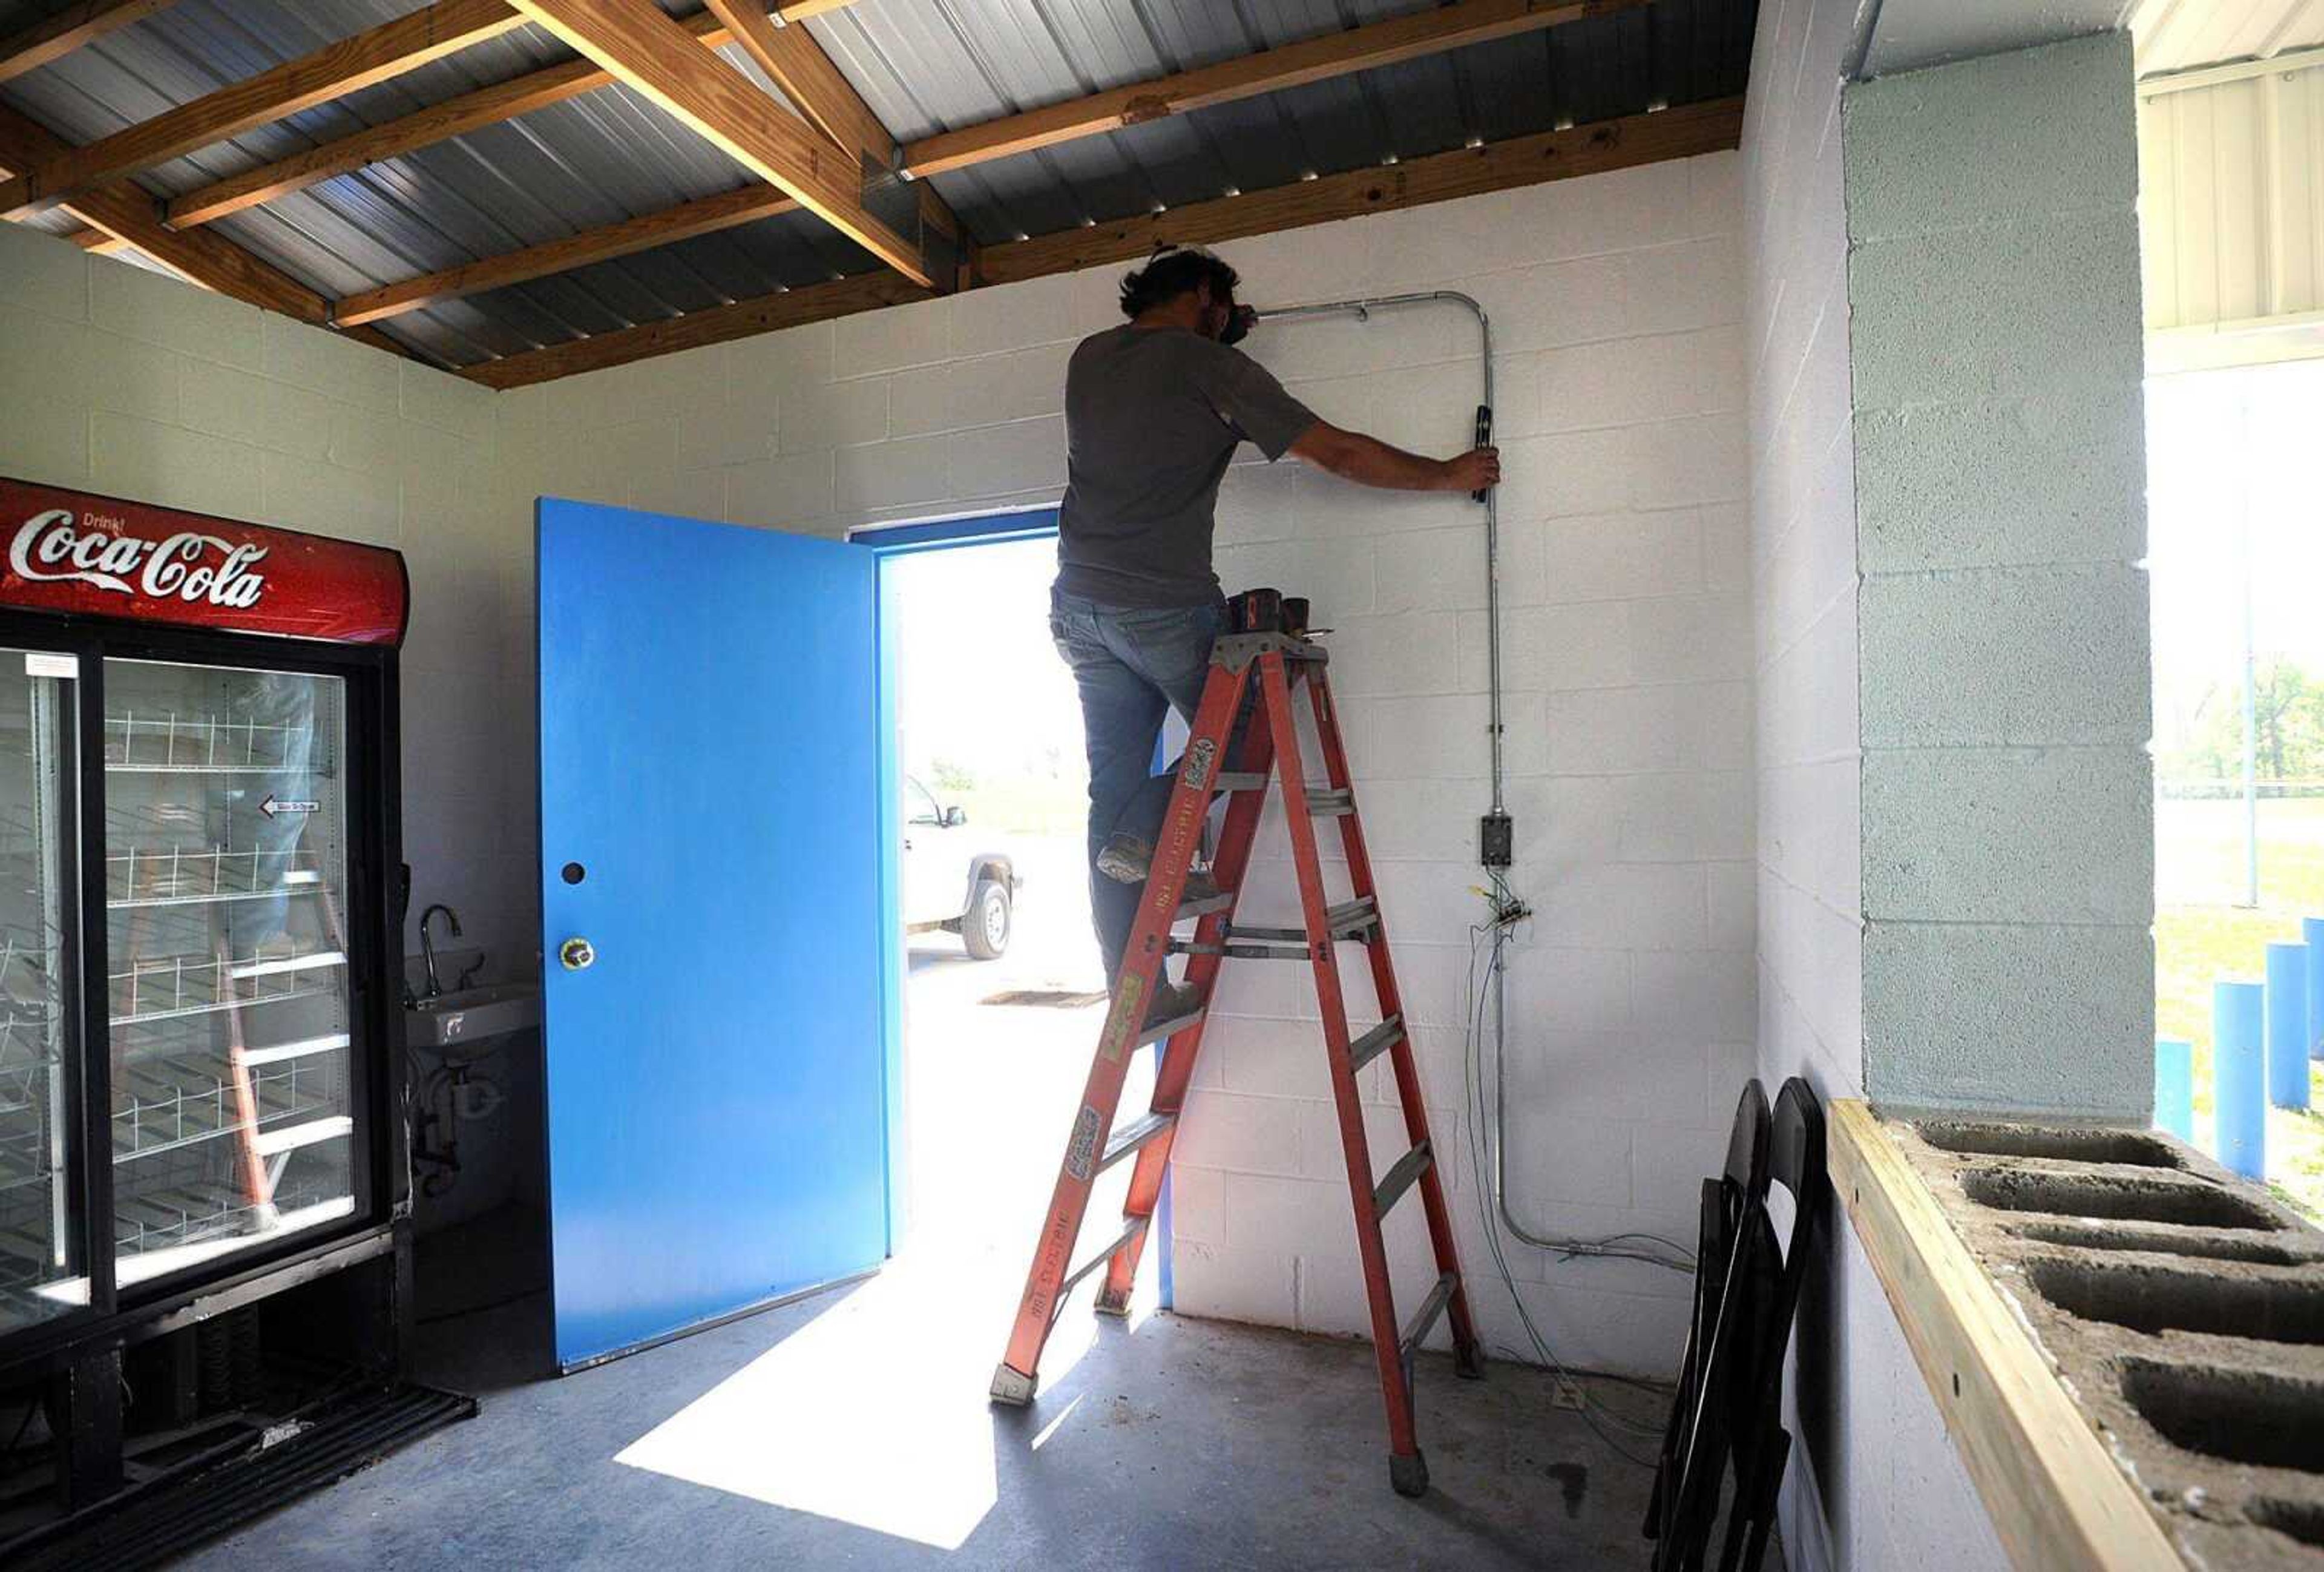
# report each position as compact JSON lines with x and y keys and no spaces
{"x":2287,"y":1025}
{"x":2174,"y":1087}
{"x":2312,"y":931}
{"x":2239,"y":1076}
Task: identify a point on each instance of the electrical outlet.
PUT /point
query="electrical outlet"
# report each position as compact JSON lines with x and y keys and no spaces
{"x":1566,"y":1395}
{"x":1496,"y":840}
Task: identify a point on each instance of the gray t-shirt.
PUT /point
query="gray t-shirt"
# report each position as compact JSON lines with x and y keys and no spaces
{"x":1152,"y":415}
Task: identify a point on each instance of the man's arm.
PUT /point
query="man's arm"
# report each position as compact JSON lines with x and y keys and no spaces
{"x":1369,"y":461}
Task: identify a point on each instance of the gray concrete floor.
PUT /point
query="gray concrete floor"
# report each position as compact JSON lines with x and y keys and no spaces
{"x":852,"y":1429}
{"x":782,"y":1441}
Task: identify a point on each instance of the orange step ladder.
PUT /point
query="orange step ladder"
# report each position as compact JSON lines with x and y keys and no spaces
{"x":1274,"y":665}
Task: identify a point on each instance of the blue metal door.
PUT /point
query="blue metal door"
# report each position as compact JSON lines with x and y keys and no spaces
{"x":709,"y":835}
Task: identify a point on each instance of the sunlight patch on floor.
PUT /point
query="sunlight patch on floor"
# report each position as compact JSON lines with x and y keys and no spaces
{"x":875,"y":1413}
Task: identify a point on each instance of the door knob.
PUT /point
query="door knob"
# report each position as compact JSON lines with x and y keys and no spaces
{"x":579,"y":955}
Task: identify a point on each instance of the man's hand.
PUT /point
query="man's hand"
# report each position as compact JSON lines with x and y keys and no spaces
{"x":1369,"y":461}
{"x":1474,"y":470}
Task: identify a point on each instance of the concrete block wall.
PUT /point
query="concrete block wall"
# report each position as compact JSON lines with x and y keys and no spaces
{"x":1803,"y":548}
{"x":120,"y":381}
{"x":1954,"y":838}
{"x":2008,"y":874}
{"x":1617,"y":302}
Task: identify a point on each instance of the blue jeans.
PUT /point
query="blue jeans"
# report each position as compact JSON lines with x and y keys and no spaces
{"x":1131,"y":664}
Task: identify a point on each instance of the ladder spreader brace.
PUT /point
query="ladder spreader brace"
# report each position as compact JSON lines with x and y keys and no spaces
{"x":1272,"y":664}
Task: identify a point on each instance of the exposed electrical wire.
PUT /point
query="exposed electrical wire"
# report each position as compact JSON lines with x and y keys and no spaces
{"x":1485,"y":943}
{"x":1509,"y":910}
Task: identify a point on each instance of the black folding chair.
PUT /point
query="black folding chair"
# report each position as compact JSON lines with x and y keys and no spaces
{"x":1771,"y":1280}
{"x":1685,"y":1500}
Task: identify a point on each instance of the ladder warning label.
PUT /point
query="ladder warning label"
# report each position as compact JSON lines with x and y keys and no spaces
{"x":1121,"y":1022}
{"x":1080,"y":1156}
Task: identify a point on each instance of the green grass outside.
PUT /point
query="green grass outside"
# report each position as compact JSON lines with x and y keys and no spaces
{"x":2202,"y":937}
{"x":1020,"y":804}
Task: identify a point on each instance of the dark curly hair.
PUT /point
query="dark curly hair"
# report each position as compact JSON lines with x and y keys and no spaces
{"x":1174,"y":272}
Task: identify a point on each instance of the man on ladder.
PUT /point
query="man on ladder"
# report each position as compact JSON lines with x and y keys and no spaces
{"x":1153,"y":411}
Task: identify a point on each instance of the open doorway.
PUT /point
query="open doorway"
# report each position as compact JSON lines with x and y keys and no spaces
{"x":1002,"y":989}
{"x":2236,"y":562}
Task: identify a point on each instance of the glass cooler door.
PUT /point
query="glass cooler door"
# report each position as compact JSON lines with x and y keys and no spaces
{"x":42,"y":1270}
{"x":225,"y":894}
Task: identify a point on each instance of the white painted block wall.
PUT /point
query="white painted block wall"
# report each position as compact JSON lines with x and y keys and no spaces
{"x":1945,"y":485}
{"x":119,"y":380}
{"x":1616,"y":302}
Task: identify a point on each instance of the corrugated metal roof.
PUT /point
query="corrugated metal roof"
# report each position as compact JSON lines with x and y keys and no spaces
{"x":922,"y":65}
{"x":2179,"y":35}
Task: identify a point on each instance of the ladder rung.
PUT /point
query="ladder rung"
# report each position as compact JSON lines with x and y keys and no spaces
{"x":1332,"y":804}
{"x":1131,"y":1230}
{"x":1156,"y":1030}
{"x":1408,"y":1168}
{"x":1350,"y":917}
{"x":1248,"y":952}
{"x":1239,"y":780}
{"x":1424,"y":1318}
{"x":1374,"y":1042}
{"x":1204,"y":905}
{"x":1133,"y":1136}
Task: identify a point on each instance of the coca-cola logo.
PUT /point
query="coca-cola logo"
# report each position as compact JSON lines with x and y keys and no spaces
{"x":52,"y":547}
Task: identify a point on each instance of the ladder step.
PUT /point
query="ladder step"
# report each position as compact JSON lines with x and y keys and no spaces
{"x":1239,"y":780}
{"x":1248,"y":952}
{"x":1202,"y":905}
{"x":1349,"y":920}
{"x":1424,"y":1318}
{"x":1133,"y":1136}
{"x":1156,"y":1030}
{"x":1131,"y":1230}
{"x":1408,"y":1168}
{"x":1374,"y":1042}
{"x":1332,"y":804}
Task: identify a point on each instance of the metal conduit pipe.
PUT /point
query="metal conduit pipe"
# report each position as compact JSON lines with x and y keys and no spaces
{"x":1362,"y":309}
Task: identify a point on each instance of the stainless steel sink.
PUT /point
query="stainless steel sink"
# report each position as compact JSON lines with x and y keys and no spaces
{"x":451,"y":1020}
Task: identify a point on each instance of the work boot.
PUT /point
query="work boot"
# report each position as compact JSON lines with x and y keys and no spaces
{"x":1124,"y":859}
{"x":1127,"y":860}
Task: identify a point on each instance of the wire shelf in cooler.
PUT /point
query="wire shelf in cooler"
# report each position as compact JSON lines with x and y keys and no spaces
{"x":206,"y":875}
{"x":164,"y":1104}
{"x":170,"y":987}
{"x":171,"y":742}
{"x":24,"y":1144}
{"x":163,"y":1230}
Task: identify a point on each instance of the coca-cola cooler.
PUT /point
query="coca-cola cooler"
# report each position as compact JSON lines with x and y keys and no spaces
{"x":200,"y":979}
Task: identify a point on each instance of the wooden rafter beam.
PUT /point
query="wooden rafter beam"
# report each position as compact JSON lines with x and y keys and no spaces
{"x":797,"y":64}
{"x":46,"y":42}
{"x":424,"y":127}
{"x":97,"y":243}
{"x":654,"y":56}
{"x":1611,"y":144}
{"x":1681,"y":131}
{"x":744,"y":319}
{"x":330,"y":72}
{"x":666,"y":227}
{"x":124,"y":216}
{"x":1314,"y":60}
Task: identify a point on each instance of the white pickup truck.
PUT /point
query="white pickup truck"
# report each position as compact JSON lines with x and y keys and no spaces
{"x":952,"y":882}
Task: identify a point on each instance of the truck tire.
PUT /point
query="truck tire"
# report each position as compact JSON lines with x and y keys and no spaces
{"x":985,"y":927}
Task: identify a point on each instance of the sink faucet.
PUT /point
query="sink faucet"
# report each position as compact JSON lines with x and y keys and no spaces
{"x":428,"y":942}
